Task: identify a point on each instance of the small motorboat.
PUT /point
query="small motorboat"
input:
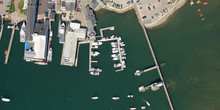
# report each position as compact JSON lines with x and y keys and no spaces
{"x":115,"y":51}
{"x":123,"y":58}
{"x":132,"y":108}
{"x":123,"y":53}
{"x":115,"y":55}
{"x":148,"y":104}
{"x":96,"y":43}
{"x":130,"y":96}
{"x":116,"y":58}
{"x":95,"y":53}
{"x":115,"y":98}
{"x":5,"y":99}
{"x":113,"y":43}
{"x":41,"y":63}
{"x":123,"y":64}
{"x":95,"y":73}
{"x":122,"y":44}
{"x":117,"y":65}
{"x":95,"y":98}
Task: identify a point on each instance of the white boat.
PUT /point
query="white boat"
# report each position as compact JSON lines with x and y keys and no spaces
{"x":116,"y":58}
{"x":50,"y":53}
{"x":95,"y":98}
{"x":22,"y":32}
{"x":113,"y":43}
{"x":122,"y":44}
{"x":123,"y":64}
{"x":132,"y":108}
{"x":94,"y":53}
{"x":117,"y":65}
{"x":148,"y":104}
{"x":115,"y":51}
{"x":123,"y":58}
{"x":130,"y":96}
{"x":41,"y":63}
{"x":112,"y":36}
{"x":62,"y":33}
{"x":96,"y":43}
{"x":5,"y":99}
{"x":115,"y":98}
{"x":51,"y":34}
{"x":95,"y":73}
{"x":95,"y":46}
{"x":115,"y":55}
{"x":123,"y":53}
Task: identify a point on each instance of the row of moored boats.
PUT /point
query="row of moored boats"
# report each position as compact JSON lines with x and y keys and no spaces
{"x":95,"y":53}
{"x":118,"y":52}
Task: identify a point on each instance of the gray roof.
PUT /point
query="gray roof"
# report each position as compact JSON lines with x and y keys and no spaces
{"x":41,"y":28}
{"x":70,"y":6}
{"x":31,"y":17}
{"x":52,"y":15}
{"x":94,"y":4}
{"x":90,"y":19}
{"x":42,"y":6}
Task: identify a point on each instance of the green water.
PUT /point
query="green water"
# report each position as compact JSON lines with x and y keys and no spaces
{"x":189,"y":48}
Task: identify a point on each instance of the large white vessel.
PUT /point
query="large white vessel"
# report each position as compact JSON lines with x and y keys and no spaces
{"x":115,"y":55}
{"x":5,"y":99}
{"x":62,"y":33}
{"x":22,"y":32}
{"x":50,"y":53}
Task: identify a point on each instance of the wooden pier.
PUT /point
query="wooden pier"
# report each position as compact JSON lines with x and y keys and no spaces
{"x":103,"y":29}
{"x":158,"y":68}
{"x":2,"y":27}
{"x":139,"y":72}
{"x":10,"y":43}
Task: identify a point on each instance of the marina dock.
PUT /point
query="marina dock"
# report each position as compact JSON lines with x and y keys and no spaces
{"x":2,"y":27}
{"x":103,"y":29}
{"x":10,"y":43}
{"x":158,"y":68}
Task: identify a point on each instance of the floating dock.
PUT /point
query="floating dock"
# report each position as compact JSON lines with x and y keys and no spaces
{"x":2,"y":27}
{"x":158,"y":68}
{"x":10,"y":43}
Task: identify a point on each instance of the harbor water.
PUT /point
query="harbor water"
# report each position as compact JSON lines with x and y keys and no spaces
{"x":189,"y":47}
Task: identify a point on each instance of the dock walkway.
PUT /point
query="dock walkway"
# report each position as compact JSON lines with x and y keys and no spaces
{"x":10,"y":43}
{"x":158,"y":68}
{"x":103,"y":29}
{"x":2,"y":27}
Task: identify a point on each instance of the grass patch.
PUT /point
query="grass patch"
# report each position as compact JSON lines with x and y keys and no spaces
{"x":11,"y":7}
{"x":20,"y":6}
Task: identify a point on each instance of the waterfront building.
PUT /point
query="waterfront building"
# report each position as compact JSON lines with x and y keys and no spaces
{"x":90,"y":20}
{"x":73,"y":35}
{"x":96,"y":5}
{"x":37,"y":48}
{"x":31,"y":18}
{"x":63,"y":5}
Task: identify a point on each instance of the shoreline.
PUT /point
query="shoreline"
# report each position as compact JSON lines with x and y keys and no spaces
{"x":163,"y":19}
{"x":156,"y":23}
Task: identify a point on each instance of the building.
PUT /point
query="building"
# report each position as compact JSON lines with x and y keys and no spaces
{"x":63,"y":5}
{"x":31,"y":18}
{"x":91,"y":21}
{"x":37,"y":48}
{"x":73,"y":35}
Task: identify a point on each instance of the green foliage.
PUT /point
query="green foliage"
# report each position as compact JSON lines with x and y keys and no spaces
{"x":11,"y":7}
{"x":20,"y":6}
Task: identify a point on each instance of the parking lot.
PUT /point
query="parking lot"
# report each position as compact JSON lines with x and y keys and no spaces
{"x":151,"y":10}
{"x":4,"y":7}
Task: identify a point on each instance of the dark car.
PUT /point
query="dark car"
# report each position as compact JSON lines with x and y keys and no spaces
{"x":144,"y":17}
